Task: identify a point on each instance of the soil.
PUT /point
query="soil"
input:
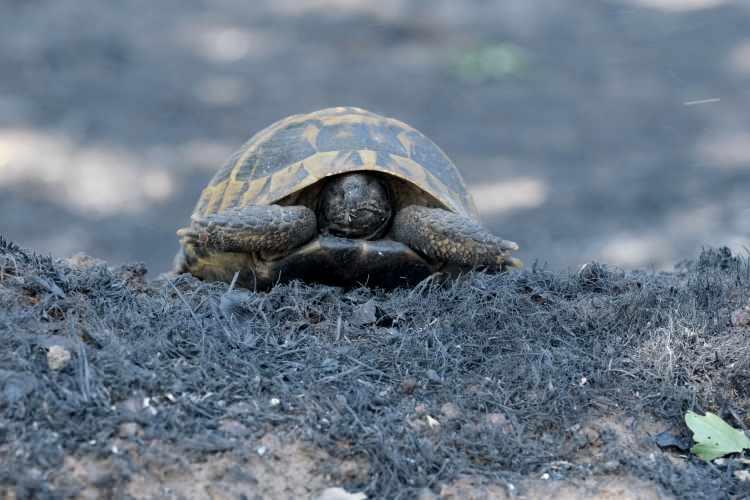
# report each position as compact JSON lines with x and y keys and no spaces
{"x":528,"y":384}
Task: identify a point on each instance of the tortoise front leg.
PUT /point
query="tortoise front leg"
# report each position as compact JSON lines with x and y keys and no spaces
{"x":254,"y":228}
{"x":448,"y":237}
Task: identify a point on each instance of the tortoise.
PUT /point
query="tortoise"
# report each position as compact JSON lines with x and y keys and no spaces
{"x":340,"y":196}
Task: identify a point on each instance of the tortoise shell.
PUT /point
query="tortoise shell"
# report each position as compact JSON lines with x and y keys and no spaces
{"x":294,"y":153}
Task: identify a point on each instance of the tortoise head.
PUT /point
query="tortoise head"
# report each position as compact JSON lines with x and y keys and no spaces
{"x":355,"y":205}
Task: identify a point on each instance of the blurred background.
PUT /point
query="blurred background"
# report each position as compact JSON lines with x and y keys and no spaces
{"x":615,"y":130}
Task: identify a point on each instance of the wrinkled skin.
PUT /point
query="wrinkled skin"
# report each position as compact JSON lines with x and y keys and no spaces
{"x":355,"y":206}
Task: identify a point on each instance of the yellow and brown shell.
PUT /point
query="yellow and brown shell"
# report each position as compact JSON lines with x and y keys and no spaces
{"x":298,"y":151}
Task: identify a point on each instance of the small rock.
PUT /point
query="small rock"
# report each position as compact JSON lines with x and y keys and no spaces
{"x":340,"y":494}
{"x":364,"y":314}
{"x":57,"y":357}
{"x":668,"y":440}
{"x":450,"y":411}
{"x":742,"y":475}
{"x":274,"y":402}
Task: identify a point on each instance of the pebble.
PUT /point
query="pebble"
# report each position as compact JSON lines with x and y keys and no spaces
{"x":450,"y":411}
{"x":58,"y":357}
{"x":365,"y":314}
{"x":340,"y":494}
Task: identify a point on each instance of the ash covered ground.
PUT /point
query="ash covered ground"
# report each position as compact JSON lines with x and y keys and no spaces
{"x":535,"y":382}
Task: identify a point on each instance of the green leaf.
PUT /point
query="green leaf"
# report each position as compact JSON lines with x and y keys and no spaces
{"x":713,"y":437}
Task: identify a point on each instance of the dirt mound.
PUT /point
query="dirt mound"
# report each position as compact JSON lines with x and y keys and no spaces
{"x":533,"y":383}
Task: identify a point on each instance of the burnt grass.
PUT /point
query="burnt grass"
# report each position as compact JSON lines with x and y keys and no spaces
{"x":545,"y":350}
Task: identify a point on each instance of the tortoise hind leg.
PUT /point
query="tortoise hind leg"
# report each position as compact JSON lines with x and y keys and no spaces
{"x":448,"y":237}
{"x":250,"y":229}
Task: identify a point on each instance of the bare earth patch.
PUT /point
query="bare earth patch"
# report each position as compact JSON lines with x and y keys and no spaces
{"x":270,"y":467}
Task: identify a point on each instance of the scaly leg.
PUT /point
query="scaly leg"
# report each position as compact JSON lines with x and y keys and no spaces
{"x":448,"y":237}
{"x":254,"y":228}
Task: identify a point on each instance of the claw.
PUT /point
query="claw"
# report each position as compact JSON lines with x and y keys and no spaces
{"x":509,"y":245}
{"x":506,"y":261}
{"x":513,"y":262}
{"x":189,"y":235}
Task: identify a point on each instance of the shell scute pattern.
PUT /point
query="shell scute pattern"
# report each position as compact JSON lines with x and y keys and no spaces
{"x":342,"y":137}
{"x":285,"y":147}
{"x":302,"y":149}
{"x":384,"y":137}
{"x":424,"y":152}
{"x":225,"y":172}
